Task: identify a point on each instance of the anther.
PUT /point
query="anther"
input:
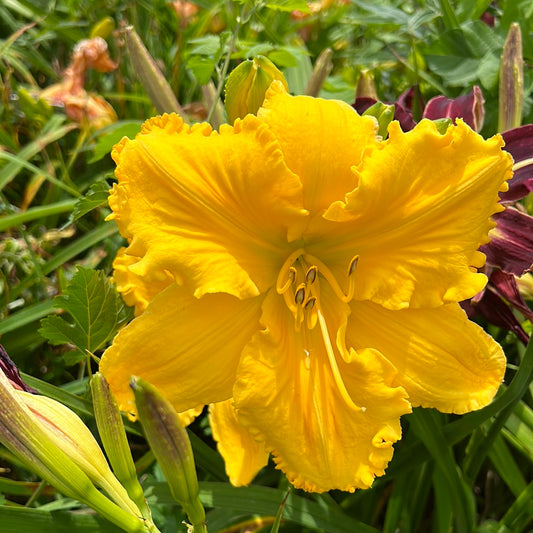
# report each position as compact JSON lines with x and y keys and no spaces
{"x":310,"y":303}
{"x":353,"y":265}
{"x":299,"y":295}
{"x":311,"y":274}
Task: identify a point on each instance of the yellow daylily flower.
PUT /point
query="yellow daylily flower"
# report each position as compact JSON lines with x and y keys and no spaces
{"x":304,"y":276}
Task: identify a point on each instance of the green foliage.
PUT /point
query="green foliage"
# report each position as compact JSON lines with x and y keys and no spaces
{"x":96,"y":196}
{"x":95,"y":310}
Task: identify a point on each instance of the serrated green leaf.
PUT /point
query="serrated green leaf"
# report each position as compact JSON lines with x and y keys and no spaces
{"x":96,"y":310}
{"x":202,"y":67}
{"x":96,"y":196}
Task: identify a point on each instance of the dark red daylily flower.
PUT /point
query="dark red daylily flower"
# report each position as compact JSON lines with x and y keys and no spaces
{"x":469,"y":107}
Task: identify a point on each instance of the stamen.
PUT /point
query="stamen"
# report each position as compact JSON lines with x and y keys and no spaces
{"x":310,"y":303}
{"x":330,"y":278}
{"x":299,"y":295}
{"x":333,"y":364}
{"x":311,"y":274}
{"x":353,"y":265}
{"x":287,"y":273}
{"x":311,"y":312}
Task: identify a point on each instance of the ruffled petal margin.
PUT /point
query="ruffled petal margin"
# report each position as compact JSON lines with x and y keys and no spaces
{"x":243,"y":455}
{"x":418,"y":216}
{"x":188,"y":348}
{"x":212,"y":208}
{"x":443,"y":359}
{"x":325,"y":431}
{"x":138,"y":291}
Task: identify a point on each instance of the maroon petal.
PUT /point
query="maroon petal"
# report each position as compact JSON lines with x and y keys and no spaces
{"x":497,"y":312}
{"x":362,"y":103}
{"x":8,"y":367}
{"x":511,"y":244}
{"x":401,"y":114}
{"x":505,"y":286}
{"x":469,"y":107}
{"x":519,"y":143}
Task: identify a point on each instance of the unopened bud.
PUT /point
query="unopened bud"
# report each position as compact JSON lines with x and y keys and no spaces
{"x":170,"y":443}
{"x":103,"y":28}
{"x":53,"y":442}
{"x":113,"y":436}
{"x":151,"y":78}
{"x":247,"y":85}
{"x":365,"y":86}
{"x":511,"y":95}
{"x":320,"y":72}
{"x":383,"y":113}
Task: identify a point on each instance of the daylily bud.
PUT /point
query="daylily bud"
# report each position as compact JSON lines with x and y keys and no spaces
{"x":53,"y":442}
{"x":365,"y":86}
{"x":171,"y":446}
{"x":383,"y":113}
{"x":151,"y":78}
{"x":511,"y":81}
{"x":113,"y":435}
{"x":525,"y":285}
{"x":103,"y":28}
{"x":247,"y":85}
{"x":321,"y":71}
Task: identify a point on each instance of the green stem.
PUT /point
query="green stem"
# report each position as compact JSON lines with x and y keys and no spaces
{"x":225,"y":66}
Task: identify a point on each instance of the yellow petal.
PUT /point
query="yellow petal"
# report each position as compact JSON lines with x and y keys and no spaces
{"x":187,"y":348}
{"x":243,"y":455}
{"x":443,"y":359}
{"x":138,"y":291}
{"x":321,"y":140}
{"x":418,"y":216}
{"x":328,"y":424}
{"x":213,"y":209}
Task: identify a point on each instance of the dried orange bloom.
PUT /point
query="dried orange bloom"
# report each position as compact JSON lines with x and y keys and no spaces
{"x":70,"y":93}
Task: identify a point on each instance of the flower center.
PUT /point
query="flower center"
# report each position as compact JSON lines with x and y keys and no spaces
{"x":299,"y":284}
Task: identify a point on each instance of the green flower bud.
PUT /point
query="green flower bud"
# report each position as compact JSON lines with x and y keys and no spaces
{"x":170,"y":443}
{"x":103,"y":28}
{"x":247,"y":85}
{"x":113,"y":436}
{"x":511,"y":95}
{"x":384,"y":114}
{"x":151,"y":78}
{"x":53,"y":442}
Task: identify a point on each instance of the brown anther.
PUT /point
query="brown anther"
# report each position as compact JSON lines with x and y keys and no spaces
{"x":299,"y":295}
{"x":310,"y":303}
{"x":352,"y":265}
{"x":311,"y":274}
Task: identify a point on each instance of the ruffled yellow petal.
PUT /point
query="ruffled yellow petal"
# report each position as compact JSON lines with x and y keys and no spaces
{"x":186,"y":347}
{"x":243,"y":455}
{"x":328,"y":424}
{"x":443,"y":359}
{"x":138,"y":291}
{"x":212,"y":208}
{"x":321,"y":140}
{"x":418,"y":216}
